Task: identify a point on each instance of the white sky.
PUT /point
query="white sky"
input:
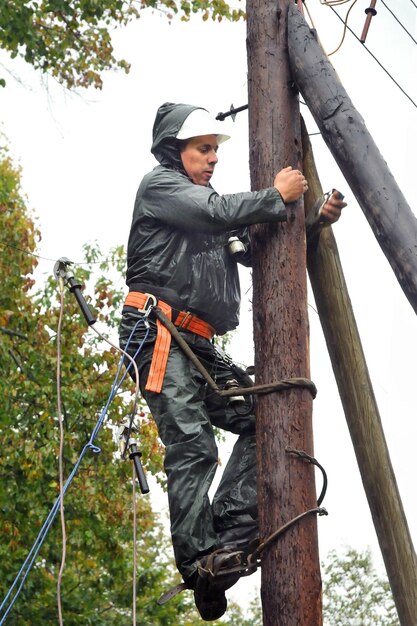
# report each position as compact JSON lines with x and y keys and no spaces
{"x":84,"y":155}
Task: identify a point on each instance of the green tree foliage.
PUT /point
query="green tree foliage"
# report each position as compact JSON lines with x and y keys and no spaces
{"x":71,"y":39}
{"x":354,"y":594}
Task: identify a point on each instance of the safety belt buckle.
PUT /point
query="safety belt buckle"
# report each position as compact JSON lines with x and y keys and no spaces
{"x":185,"y":320}
{"x":150,"y":303}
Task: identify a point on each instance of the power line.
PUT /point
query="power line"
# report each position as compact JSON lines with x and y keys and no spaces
{"x":400,"y":23}
{"x":375,"y":58}
{"x":43,"y":258}
{"x":344,"y":28}
{"x":27,"y":252}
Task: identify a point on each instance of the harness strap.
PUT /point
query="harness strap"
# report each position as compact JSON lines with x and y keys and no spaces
{"x":185,"y":320}
{"x":194,"y":324}
{"x":160,"y":353}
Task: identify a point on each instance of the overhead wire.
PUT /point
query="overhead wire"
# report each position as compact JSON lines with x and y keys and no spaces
{"x":27,"y":252}
{"x":344,"y":29}
{"x":375,"y":58}
{"x":331,"y":3}
{"x":75,"y":263}
{"x":399,"y":22}
{"x":43,"y":258}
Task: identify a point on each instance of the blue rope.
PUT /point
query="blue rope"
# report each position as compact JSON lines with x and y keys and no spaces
{"x":30,"y":559}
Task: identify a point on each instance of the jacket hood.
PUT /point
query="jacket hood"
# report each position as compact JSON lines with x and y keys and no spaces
{"x":168,"y":121}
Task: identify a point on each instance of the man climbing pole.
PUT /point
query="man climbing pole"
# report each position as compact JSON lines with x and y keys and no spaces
{"x":184,"y":246}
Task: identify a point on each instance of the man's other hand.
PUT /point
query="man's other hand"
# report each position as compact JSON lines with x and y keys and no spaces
{"x":332,"y":209}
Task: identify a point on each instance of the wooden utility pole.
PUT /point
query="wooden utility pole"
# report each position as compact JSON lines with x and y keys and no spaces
{"x":361,"y":409}
{"x":344,"y":131}
{"x":291,"y":583}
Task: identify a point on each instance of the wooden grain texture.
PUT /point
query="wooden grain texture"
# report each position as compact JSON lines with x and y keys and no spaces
{"x":361,"y":409}
{"x":291,"y":583}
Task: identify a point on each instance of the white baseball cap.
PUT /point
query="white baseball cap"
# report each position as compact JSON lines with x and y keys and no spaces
{"x":199,"y":122}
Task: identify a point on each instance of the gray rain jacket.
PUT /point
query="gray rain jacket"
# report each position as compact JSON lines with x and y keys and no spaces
{"x":177,"y":246}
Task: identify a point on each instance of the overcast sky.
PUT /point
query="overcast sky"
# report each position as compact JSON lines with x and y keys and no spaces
{"x":83,"y":155}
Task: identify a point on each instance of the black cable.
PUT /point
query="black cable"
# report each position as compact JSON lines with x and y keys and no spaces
{"x":74,"y":263}
{"x":313,"y":461}
{"x":37,"y":256}
{"x":13,"y":333}
{"x":400,"y":23}
{"x":43,"y":258}
{"x":412,"y":2}
{"x":374,"y":57}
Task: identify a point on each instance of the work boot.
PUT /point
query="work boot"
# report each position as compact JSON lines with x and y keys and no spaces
{"x":213,"y":579}
{"x":211,"y":603}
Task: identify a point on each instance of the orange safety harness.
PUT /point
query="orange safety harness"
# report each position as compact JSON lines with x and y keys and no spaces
{"x":188,"y":321}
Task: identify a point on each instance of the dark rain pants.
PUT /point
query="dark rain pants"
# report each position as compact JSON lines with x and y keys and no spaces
{"x":185,"y":413}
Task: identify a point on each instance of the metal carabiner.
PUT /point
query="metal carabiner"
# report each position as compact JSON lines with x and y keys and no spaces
{"x":151,"y":302}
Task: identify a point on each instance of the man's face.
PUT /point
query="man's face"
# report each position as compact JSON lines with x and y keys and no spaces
{"x":199,"y":158}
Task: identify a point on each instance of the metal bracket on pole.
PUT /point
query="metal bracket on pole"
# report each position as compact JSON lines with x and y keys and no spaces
{"x":231,"y":113}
